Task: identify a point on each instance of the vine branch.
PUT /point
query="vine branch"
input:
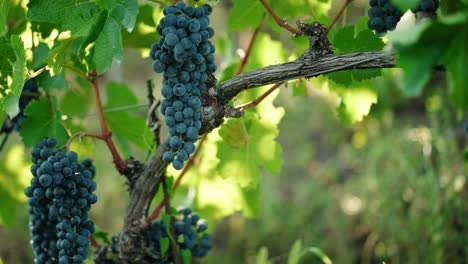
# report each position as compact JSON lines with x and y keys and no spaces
{"x":106,"y":133}
{"x":304,"y":68}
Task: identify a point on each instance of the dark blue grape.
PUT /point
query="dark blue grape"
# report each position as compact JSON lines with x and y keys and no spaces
{"x":184,"y":55}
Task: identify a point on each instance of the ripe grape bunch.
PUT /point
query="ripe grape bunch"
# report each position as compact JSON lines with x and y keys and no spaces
{"x":28,"y":94}
{"x":383,"y":16}
{"x":60,"y":197}
{"x":185,"y":55}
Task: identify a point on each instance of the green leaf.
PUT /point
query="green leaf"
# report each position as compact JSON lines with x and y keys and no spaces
{"x":42,"y":120}
{"x":18,"y":66}
{"x":164,"y":244}
{"x":406,"y":4}
{"x":186,"y":256}
{"x":295,"y":252}
{"x":352,"y":39}
{"x":3,"y":17}
{"x":74,"y":102}
{"x":262,"y":256}
{"x":41,"y":52}
{"x":248,"y":144}
{"x":143,"y":35}
{"x":300,"y":88}
{"x":131,"y":127}
{"x":433,"y":43}
{"x":48,"y":82}
{"x":108,"y":45}
{"x":77,"y":16}
{"x":57,"y":55}
{"x":101,"y":234}
{"x":245,"y":14}
{"x":319,"y":253}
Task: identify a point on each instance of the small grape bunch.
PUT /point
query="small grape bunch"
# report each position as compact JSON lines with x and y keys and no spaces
{"x":60,"y":198}
{"x":190,"y":231}
{"x":185,"y":56}
{"x":383,"y":16}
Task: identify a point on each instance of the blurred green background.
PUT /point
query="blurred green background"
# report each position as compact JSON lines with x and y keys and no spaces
{"x":389,"y":189}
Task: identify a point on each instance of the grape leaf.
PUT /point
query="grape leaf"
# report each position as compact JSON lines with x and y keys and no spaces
{"x":108,"y":45}
{"x":79,"y":17}
{"x":18,"y":66}
{"x":131,"y":127}
{"x":57,"y":55}
{"x":406,"y":4}
{"x":351,"y":39}
{"x":245,"y":14}
{"x":86,"y":19}
{"x":144,"y":35}
{"x":295,"y":252}
{"x":42,"y":120}
{"x":3,"y":17}
{"x":432,"y":43}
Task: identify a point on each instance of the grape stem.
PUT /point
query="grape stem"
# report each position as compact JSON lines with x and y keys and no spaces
{"x":338,"y":15}
{"x":279,"y":21}
{"x":259,"y":99}
{"x":93,"y":242}
{"x":106,"y":134}
{"x":241,"y":66}
{"x":176,"y":184}
{"x":37,"y":73}
{"x":167,"y":206}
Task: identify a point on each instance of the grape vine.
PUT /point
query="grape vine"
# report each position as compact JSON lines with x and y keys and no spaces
{"x":60,"y":197}
{"x":185,"y":55}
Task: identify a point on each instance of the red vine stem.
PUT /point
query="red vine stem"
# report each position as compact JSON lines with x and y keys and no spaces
{"x":93,"y":242}
{"x":259,"y":99}
{"x":81,"y":135}
{"x":176,"y":184}
{"x":279,"y":21}
{"x":248,"y":51}
{"x":106,"y":133}
{"x":338,"y":15}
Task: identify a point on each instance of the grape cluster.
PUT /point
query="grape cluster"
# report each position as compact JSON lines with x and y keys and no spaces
{"x":190,"y":235}
{"x":60,"y":197}
{"x":429,"y":6}
{"x":185,"y":55}
{"x":383,"y":16}
{"x":28,"y":94}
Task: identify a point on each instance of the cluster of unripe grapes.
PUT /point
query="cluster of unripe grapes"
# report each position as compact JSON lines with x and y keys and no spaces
{"x":185,"y":56}
{"x":384,"y":15}
{"x":60,"y":197}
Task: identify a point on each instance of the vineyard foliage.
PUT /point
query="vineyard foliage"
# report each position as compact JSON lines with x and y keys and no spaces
{"x":54,"y":52}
